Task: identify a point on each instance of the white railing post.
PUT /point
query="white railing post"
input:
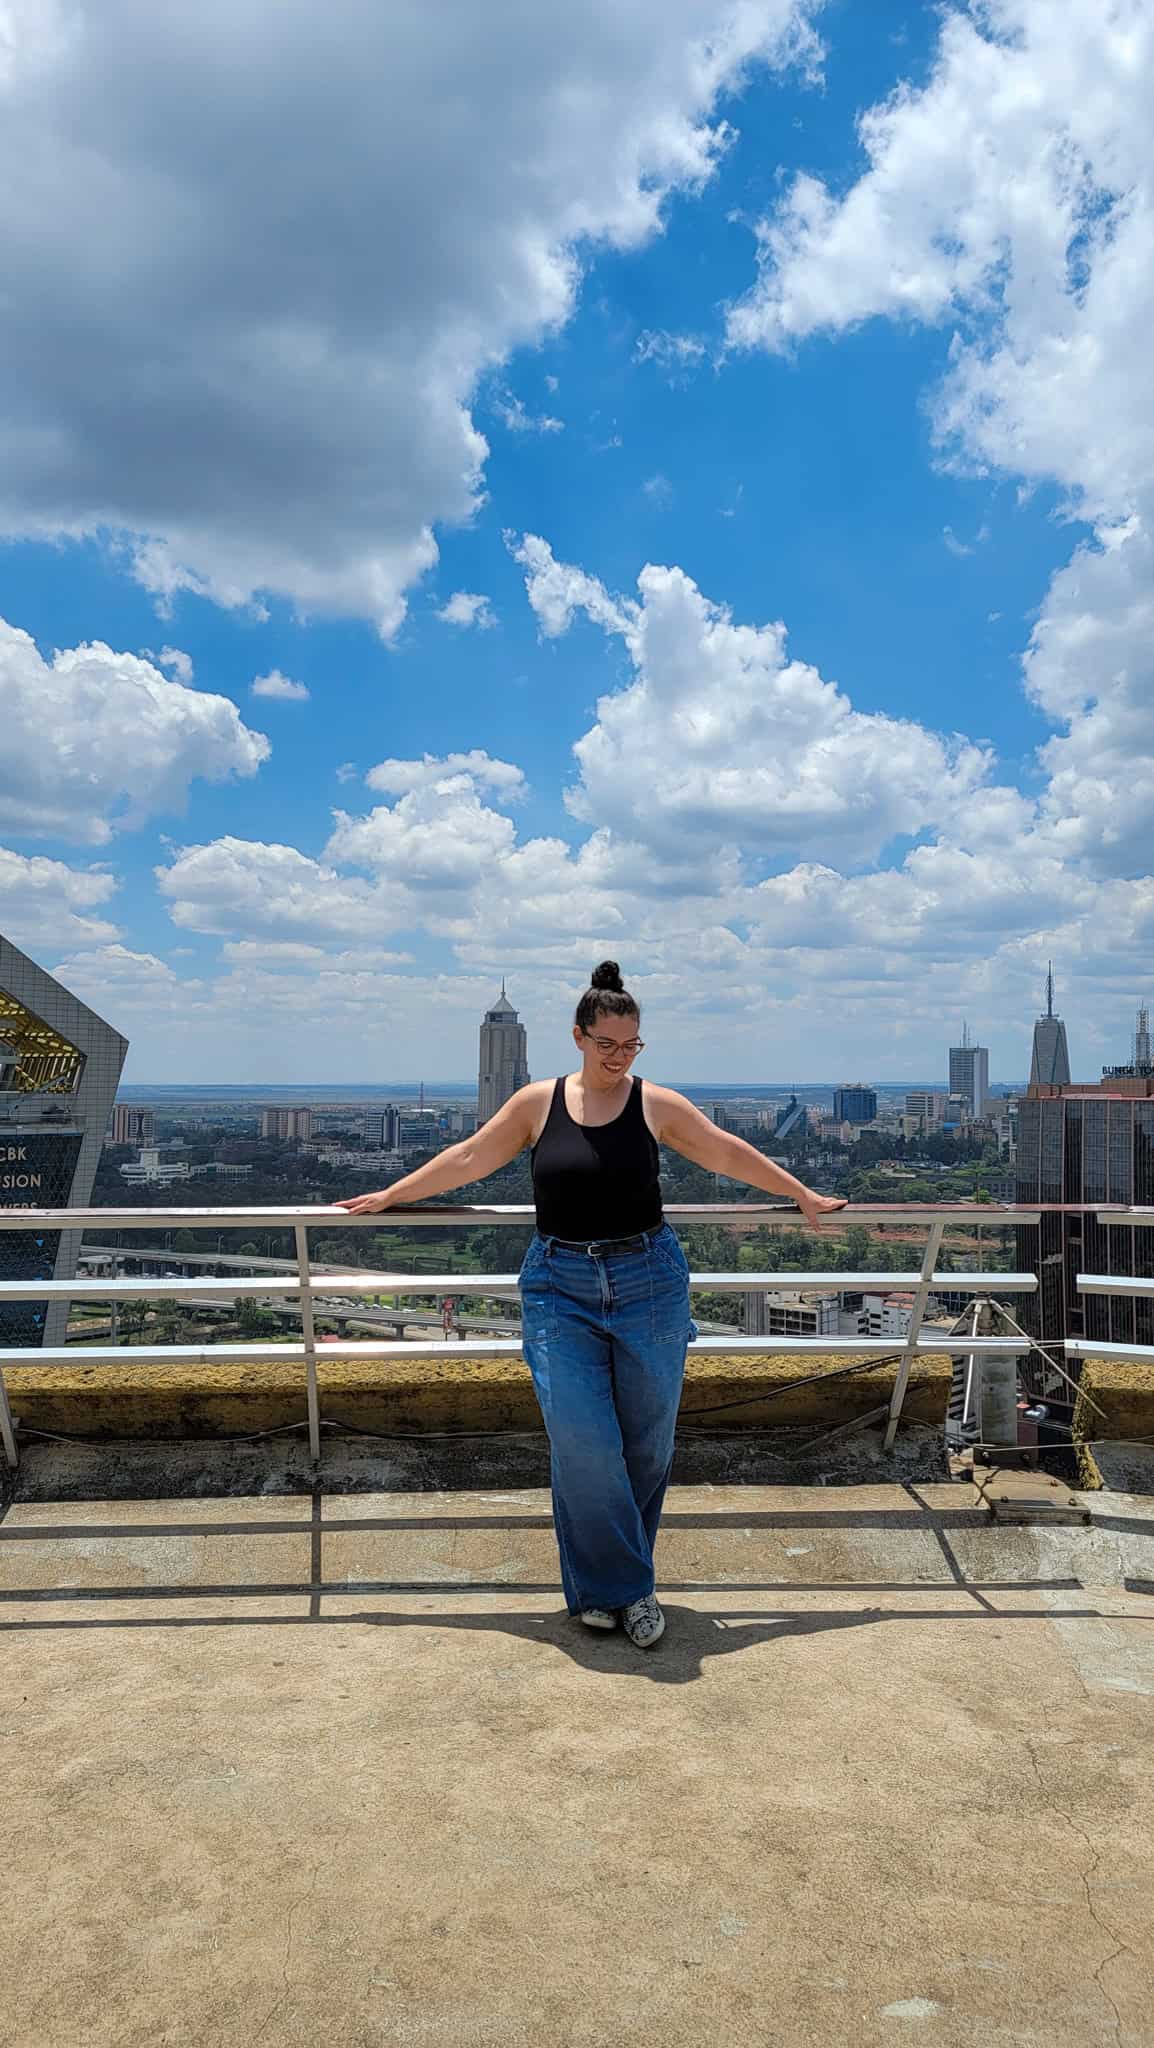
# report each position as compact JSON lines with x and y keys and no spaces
{"x":925,"y":1281}
{"x":308,"y":1336}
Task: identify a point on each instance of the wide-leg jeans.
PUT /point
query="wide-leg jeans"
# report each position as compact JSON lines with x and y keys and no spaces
{"x":605,"y":1336}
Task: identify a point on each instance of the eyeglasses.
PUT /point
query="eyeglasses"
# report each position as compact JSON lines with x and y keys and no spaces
{"x":631,"y":1047}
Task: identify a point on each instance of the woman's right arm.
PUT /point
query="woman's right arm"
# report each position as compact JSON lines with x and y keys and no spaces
{"x":493,"y":1146}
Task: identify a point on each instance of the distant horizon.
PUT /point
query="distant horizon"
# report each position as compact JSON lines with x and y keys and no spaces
{"x":340,"y":1089}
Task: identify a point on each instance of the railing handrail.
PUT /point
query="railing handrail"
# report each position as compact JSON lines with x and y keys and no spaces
{"x":522,"y":1213}
{"x":308,"y":1284}
{"x":361,"y":1282}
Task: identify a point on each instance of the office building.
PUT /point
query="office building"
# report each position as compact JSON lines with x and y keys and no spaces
{"x":132,"y":1124}
{"x":744,"y":1123}
{"x":885,"y":1315}
{"x":855,"y":1104}
{"x":799,"y":1315}
{"x":1087,"y":1142}
{"x":504,"y":1057}
{"x":419,"y":1133}
{"x":926,"y":1109}
{"x":970,"y":1076}
{"x":380,"y":1128}
{"x":60,"y":1066}
{"x":1050,"y":1059}
{"x":294,"y":1126}
{"x":150,"y":1170}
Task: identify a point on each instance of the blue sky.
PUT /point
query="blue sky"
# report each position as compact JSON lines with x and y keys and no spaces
{"x":916,"y":437}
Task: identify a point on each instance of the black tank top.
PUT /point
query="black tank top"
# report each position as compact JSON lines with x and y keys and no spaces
{"x":596,"y":1180}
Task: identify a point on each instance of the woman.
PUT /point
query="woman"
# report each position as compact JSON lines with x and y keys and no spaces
{"x":604,"y":1290}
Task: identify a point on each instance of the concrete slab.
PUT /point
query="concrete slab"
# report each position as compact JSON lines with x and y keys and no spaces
{"x":913,"y":1808}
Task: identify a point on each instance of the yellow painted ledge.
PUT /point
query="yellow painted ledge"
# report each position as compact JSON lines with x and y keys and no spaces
{"x":1124,"y":1390}
{"x":433,"y":1394}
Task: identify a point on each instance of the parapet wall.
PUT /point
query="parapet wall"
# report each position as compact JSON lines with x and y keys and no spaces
{"x":1114,"y":1424}
{"x":107,"y":1402}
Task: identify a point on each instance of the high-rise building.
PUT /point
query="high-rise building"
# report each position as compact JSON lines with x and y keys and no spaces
{"x":295,"y":1125}
{"x":132,"y":1124}
{"x":60,"y":1065}
{"x":970,"y":1075}
{"x":855,"y":1104}
{"x":504,"y":1058}
{"x":380,"y":1128}
{"x":1087,"y":1142}
{"x":1050,"y":1060}
{"x":1143,"y":1060}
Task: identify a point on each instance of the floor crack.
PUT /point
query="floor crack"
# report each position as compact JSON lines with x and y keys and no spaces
{"x":1121,"y":1948}
{"x":284,"y":1990}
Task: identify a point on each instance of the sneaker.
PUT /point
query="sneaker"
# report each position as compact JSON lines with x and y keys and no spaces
{"x":598,"y":1617}
{"x":644,"y":1622}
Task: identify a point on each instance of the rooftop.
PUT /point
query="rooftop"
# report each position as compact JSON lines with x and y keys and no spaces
{"x":335,"y":1766}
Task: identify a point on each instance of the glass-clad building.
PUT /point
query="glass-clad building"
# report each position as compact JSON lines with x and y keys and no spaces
{"x":60,"y":1065}
{"x":1089,"y":1144}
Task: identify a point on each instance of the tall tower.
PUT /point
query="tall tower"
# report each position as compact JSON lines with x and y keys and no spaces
{"x":1143,"y":1055}
{"x":970,"y":1074}
{"x":1050,"y":1061}
{"x":504,"y":1062}
{"x":60,"y":1065}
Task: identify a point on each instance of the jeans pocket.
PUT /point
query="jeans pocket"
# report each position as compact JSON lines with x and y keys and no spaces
{"x":669,"y":1294}
{"x":667,"y":1249}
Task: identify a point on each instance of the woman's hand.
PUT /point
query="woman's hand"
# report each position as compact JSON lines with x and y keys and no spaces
{"x":367,"y":1205}
{"x":813,"y":1207}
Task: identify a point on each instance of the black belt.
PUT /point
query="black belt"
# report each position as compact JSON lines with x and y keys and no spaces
{"x":596,"y":1245}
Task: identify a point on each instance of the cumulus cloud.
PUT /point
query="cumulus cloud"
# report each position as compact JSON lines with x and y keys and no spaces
{"x":742,"y":746}
{"x":277,"y":685}
{"x":45,"y":902}
{"x":396,"y":778}
{"x":255,"y":363}
{"x":1012,"y":198}
{"x":237,"y":885}
{"x":97,"y":740}
{"x":468,"y":608}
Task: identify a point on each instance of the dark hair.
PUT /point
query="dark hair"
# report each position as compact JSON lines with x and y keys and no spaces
{"x":605,"y":997}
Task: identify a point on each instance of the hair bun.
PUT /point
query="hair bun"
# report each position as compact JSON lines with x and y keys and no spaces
{"x":608,"y":976}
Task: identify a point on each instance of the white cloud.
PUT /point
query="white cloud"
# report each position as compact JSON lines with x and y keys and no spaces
{"x":273,"y":891}
{"x":511,"y":411}
{"x":96,"y":740}
{"x":44,"y":902}
{"x":658,"y":490}
{"x":397,"y":778}
{"x":1013,"y":197}
{"x":468,"y":608}
{"x":741,"y":746}
{"x":178,"y":661}
{"x":288,"y":955}
{"x":277,"y":685}
{"x":256,"y":259}
{"x":677,"y":354}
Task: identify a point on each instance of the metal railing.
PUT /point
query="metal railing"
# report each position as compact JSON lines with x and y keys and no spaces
{"x":307,"y":1284}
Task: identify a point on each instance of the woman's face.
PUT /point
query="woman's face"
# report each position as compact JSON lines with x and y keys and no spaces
{"x":610,"y":1045}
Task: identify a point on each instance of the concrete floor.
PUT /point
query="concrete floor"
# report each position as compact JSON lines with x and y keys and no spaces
{"x":887,"y":1778}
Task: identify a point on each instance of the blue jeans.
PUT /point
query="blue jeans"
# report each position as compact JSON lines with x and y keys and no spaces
{"x":604,"y":1336}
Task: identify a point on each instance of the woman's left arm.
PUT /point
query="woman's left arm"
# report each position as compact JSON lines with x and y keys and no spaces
{"x":680,"y":1125}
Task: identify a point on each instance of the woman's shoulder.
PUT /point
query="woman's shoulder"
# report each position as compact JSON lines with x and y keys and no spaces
{"x":539,"y":1100}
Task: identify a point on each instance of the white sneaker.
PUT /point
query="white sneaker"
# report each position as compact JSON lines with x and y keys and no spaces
{"x":598,"y":1617}
{"x":644,"y":1622}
